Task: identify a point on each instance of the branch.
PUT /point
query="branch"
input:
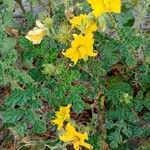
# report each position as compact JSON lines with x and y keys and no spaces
{"x":21,"y":5}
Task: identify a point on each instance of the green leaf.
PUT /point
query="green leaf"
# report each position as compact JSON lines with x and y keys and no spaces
{"x":20,"y":97}
{"x":8,"y":44}
{"x":19,"y":130}
{"x":116,"y":95}
{"x":78,"y":105}
{"x":39,"y":125}
{"x":12,"y":115}
{"x":109,"y":124}
{"x":36,"y":74}
{"x":115,"y":139}
{"x":137,"y":132}
{"x":22,"y":76}
{"x":124,"y":18}
{"x":130,"y":60}
{"x":95,"y":141}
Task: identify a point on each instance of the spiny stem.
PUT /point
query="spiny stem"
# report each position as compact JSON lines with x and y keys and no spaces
{"x":101,"y":120}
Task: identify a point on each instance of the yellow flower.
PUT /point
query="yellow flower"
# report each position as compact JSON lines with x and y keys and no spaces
{"x":81,"y":48}
{"x":75,"y":138}
{"x":84,"y":23}
{"x":36,"y":35}
{"x":62,"y":115}
{"x":103,"y":6}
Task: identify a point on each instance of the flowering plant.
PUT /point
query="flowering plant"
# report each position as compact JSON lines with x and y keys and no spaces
{"x":74,"y":74}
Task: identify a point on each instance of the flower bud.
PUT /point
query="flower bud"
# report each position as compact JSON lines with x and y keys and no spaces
{"x":102,"y":23}
{"x":69,"y":13}
{"x":48,"y":22}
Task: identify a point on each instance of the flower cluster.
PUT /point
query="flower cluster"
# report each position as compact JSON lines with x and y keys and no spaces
{"x":67,"y":131}
{"x":82,"y":46}
{"x":86,"y":24}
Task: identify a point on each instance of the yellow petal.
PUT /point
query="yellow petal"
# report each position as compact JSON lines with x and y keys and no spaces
{"x":36,"y":35}
{"x":116,"y":6}
{"x":103,"y":6}
{"x":70,"y":128}
{"x":72,"y":54}
{"x":69,"y":134}
{"x":87,"y":145}
{"x":62,"y":115}
{"x":76,"y":145}
{"x":82,"y":142}
{"x":84,"y":23}
{"x":81,"y":48}
{"x":58,"y":122}
{"x":40,"y":25}
{"x":66,"y":137}
{"x":91,"y":27}
{"x":83,"y":136}
{"x":77,"y":20}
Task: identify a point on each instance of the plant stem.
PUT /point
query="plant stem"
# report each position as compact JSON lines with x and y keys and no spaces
{"x":101,"y":120}
{"x":21,"y":5}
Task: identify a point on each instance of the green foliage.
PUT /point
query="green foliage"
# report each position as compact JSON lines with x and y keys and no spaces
{"x":95,"y":141}
{"x":41,"y":80}
{"x":23,"y":107}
